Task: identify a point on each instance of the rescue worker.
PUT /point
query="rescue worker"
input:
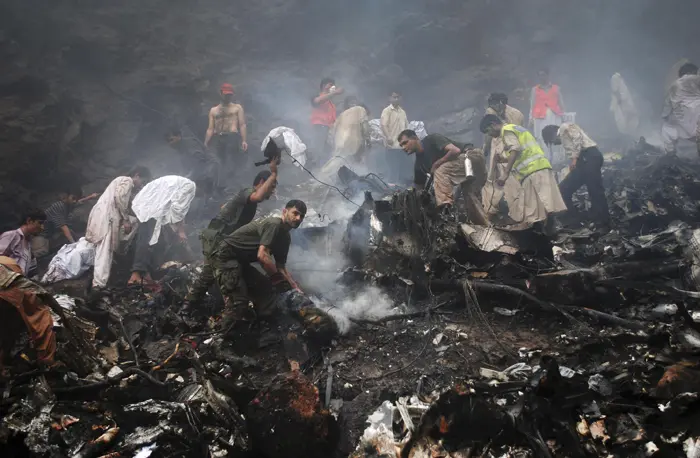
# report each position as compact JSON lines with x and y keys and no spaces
{"x":681,"y":113}
{"x":493,"y":149}
{"x":109,"y":214}
{"x":16,"y":244}
{"x":258,"y":241}
{"x":235,"y":213}
{"x":540,"y":197}
{"x":227,"y":127}
{"x":323,"y":115}
{"x":23,"y":304}
{"x":585,"y":168}
{"x":546,"y":107}
{"x":164,"y":201}
{"x":445,"y":159}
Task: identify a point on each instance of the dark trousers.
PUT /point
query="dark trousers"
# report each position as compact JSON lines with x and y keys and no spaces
{"x":587,"y":172}
{"x":144,"y":254}
{"x":228,"y":150}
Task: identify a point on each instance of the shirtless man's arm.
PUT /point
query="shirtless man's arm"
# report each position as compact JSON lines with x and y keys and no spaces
{"x":243,"y":128}
{"x":210,"y":129}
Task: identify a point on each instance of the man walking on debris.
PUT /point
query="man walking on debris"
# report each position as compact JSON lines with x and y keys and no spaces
{"x":236,"y":213}
{"x":540,"y":196}
{"x":21,"y":301}
{"x":585,"y":168}
{"x":393,"y":121}
{"x":493,"y":148}
{"x":164,"y":201}
{"x":258,"y":241}
{"x":445,"y":160}
{"x":16,"y":244}
{"x":227,"y":126}
{"x":681,"y":113}
{"x":109,"y":214}
{"x":323,"y":116}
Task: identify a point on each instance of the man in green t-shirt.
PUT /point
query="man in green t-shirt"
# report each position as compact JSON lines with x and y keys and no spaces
{"x":235,"y":213}
{"x":265,"y":241}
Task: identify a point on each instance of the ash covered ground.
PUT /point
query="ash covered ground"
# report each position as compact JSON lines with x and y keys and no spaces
{"x":454,"y":341}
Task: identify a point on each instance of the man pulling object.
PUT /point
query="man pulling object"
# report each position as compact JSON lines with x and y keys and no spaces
{"x":266,"y":241}
{"x":235,"y":213}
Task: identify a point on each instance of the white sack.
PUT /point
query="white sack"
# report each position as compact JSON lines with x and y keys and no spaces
{"x":292,"y":142}
{"x":71,"y":261}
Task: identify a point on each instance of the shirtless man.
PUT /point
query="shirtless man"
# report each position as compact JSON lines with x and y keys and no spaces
{"x":227,"y":127}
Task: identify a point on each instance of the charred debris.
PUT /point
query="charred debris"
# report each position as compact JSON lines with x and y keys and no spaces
{"x":500,"y":343}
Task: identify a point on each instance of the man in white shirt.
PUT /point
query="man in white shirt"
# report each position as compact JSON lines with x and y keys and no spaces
{"x":164,"y":201}
{"x":109,"y":214}
{"x":585,"y":168}
{"x":394,"y":121}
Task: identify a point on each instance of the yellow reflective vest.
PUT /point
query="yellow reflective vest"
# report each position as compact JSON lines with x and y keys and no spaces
{"x":532,"y":158}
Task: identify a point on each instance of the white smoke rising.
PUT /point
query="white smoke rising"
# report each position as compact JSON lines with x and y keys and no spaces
{"x":318,"y":274}
{"x":370,"y":303}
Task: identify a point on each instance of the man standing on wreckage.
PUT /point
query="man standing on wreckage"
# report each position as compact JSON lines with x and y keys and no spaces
{"x":539,"y":199}
{"x":266,"y":241}
{"x":235,"y":213}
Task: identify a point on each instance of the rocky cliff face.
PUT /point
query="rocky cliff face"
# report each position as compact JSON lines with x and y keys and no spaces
{"x":87,"y":89}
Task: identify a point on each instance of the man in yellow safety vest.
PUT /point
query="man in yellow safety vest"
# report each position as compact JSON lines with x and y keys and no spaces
{"x":540,"y":196}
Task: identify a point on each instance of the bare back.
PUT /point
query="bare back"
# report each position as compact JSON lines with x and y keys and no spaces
{"x":226,"y":118}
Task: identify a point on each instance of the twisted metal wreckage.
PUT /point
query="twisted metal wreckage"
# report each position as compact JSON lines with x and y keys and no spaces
{"x":504,"y":344}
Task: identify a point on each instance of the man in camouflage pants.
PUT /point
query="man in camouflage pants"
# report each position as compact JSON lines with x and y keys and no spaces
{"x":237,"y":212}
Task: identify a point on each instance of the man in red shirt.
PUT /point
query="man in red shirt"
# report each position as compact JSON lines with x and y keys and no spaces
{"x":322,"y":119}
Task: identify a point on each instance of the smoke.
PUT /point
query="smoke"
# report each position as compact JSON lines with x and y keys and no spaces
{"x":317,"y":265}
{"x":369,"y":303}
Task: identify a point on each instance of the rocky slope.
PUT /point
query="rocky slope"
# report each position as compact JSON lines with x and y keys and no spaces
{"x":88,"y":89}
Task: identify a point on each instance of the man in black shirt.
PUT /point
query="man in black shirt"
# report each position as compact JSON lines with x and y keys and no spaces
{"x":235,"y":213}
{"x":258,"y":241}
{"x":445,"y":160}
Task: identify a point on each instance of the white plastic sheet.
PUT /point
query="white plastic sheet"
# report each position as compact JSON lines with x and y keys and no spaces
{"x":292,"y":143}
{"x":166,"y":199}
{"x":71,"y":261}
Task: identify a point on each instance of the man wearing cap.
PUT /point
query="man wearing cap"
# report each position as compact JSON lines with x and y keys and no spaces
{"x":227,"y":127}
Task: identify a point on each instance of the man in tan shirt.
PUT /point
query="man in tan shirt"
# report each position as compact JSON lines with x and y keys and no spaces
{"x":393,"y":122}
{"x":585,"y":169}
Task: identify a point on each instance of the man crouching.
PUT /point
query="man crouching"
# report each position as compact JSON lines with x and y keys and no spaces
{"x":258,"y":241}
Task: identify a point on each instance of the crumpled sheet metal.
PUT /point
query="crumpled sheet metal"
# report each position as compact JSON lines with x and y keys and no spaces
{"x":490,"y":239}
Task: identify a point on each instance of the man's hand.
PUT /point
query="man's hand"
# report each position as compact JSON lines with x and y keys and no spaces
{"x":274,"y":164}
{"x":338,"y":91}
{"x":573,"y":164}
{"x":501,"y":182}
{"x":94,"y":195}
{"x":127,"y":227}
{"x":434,"y":167}
{"x":244,"y":146}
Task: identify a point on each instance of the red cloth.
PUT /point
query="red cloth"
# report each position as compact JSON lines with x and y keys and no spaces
{"x":323,"y":114}
{"x":546,"y":99}
{"x":226,"y":88}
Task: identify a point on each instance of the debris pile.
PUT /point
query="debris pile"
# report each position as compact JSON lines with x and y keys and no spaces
{"x":500,"y":343}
